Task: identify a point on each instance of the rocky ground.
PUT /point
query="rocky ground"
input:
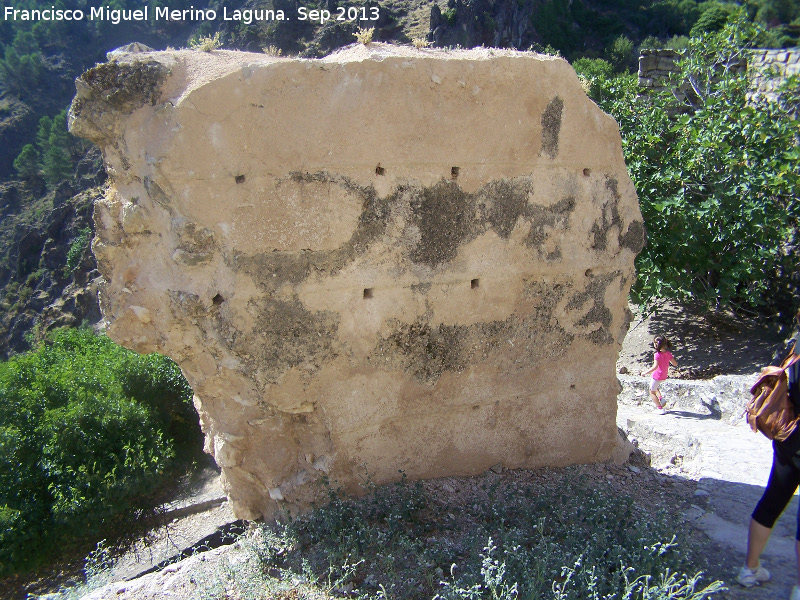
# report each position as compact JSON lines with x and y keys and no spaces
{"x":700,"y":459}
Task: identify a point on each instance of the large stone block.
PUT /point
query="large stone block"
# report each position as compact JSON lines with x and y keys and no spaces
{"x":385,"y":260}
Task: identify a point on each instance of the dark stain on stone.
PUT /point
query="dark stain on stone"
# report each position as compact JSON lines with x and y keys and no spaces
{"x":445,"y":217}
{"x":595,"y":293}
{"x":156,"y":192}
{"x":290,"y":335}
{"x":194,"y":239}
{"x":428,"y":351}
{"x":195,"y":243}
{"x":270,"y":270}
{"x":188,"y":304}
{"x":425,"y":351}
{"x":551,"y":126}
{"x":123,"y":87}
{"x":508,"y":200}
{"x":553,"y":256}
{"x":421,"y":288}
{"x":543,"y":218}
{"x":609,"y":217}
{"x":635,"y":238}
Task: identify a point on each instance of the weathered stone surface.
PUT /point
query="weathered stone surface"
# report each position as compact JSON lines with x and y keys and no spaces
{"x":385,"y":260}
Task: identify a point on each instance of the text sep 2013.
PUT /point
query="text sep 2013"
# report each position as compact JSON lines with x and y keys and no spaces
{"x":246,"y":16}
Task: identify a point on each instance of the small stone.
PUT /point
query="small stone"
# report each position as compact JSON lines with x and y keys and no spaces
{"x":498,"y":468}
{"x":636,"y":470}
{"x":701,"y":493}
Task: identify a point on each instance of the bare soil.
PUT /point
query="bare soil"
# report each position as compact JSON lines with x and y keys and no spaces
{"x":705,"y":344}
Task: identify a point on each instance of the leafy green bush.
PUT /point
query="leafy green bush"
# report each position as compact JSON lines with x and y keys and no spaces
{"x":717,"y":181}
{"x":84,"y":437}
{"x":713,"y":19}
{"x":77,"y":249}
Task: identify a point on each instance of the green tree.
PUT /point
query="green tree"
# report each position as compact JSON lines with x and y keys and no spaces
{"x":57,"y":149}
{"x":27,"y":163}
{"x":620,"y":53}
{"x":21,"y":68}
{"x":56,"y":166}
{"x":713,"y":19}
{"x":43,"y":134}
{"x":88,"y":430}
{"x":59,"y":136}
{"x":717,"y":182}
{"x":593,"y":68}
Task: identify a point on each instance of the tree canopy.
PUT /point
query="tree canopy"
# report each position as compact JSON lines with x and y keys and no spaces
{"x":717,"y":181}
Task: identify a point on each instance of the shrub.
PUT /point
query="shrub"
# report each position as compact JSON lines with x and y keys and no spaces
{"x":364,"y":36}
{"x":272,"y":50}
{"x":713,"y":19}
{"x":77,"y":249}
{"x":593,"y":67}
{"x":206,"y":43}
{"x":563,"y":539}
{"x":83,"y":438}
{"x":620,"y":53}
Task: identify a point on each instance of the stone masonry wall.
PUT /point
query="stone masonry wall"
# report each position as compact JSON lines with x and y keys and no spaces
{"x":657,"y":66}
{"x":385,"y":260}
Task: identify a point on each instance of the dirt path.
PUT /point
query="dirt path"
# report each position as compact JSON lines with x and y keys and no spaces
{"x":703,"y":441}
{"x":727,"y":465}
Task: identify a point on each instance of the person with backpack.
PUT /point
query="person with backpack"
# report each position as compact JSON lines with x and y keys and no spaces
{"x":662,"y":359}
{"x":784,"y":478}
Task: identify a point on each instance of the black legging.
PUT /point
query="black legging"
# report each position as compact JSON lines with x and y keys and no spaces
{"x":785,"y":474}
{"x":783,"y":481}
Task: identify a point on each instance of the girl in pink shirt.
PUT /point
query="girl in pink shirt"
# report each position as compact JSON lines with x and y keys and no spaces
{"x":662,"y":359}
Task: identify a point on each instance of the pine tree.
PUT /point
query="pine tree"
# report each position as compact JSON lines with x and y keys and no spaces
{"x":57,"y":165}
{"x":59,"y":136}
{"x":43,"y":134}
{"x":27,"y":163}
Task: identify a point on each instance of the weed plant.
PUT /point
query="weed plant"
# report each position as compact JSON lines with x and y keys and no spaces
{"x":568,"y":541}
{"x":206,"y":43}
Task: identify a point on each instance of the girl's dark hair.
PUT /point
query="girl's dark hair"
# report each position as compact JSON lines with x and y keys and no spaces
{"x":662,"y":342}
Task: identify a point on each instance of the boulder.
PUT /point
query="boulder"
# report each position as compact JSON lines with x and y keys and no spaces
{"x":387,"y":261}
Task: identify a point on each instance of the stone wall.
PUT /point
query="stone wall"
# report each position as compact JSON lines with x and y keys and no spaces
{"x":387,"y":260}
{"x":784,"y":63}
{"x":657,"y":66}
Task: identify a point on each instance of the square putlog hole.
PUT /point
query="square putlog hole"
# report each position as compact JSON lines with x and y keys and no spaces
{"x":367,"y":293}
{"x":475,"y":284}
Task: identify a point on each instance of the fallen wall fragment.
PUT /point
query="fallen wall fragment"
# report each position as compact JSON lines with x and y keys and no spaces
{"x":385,"y":260}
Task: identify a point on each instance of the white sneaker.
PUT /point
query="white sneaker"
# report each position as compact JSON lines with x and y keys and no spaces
{"x":749,"y":578}
{"x":660,"y":411}
{"x":795,"y":593}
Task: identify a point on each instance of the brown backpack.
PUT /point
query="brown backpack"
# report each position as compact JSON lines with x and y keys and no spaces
{"x":770,"y":410}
